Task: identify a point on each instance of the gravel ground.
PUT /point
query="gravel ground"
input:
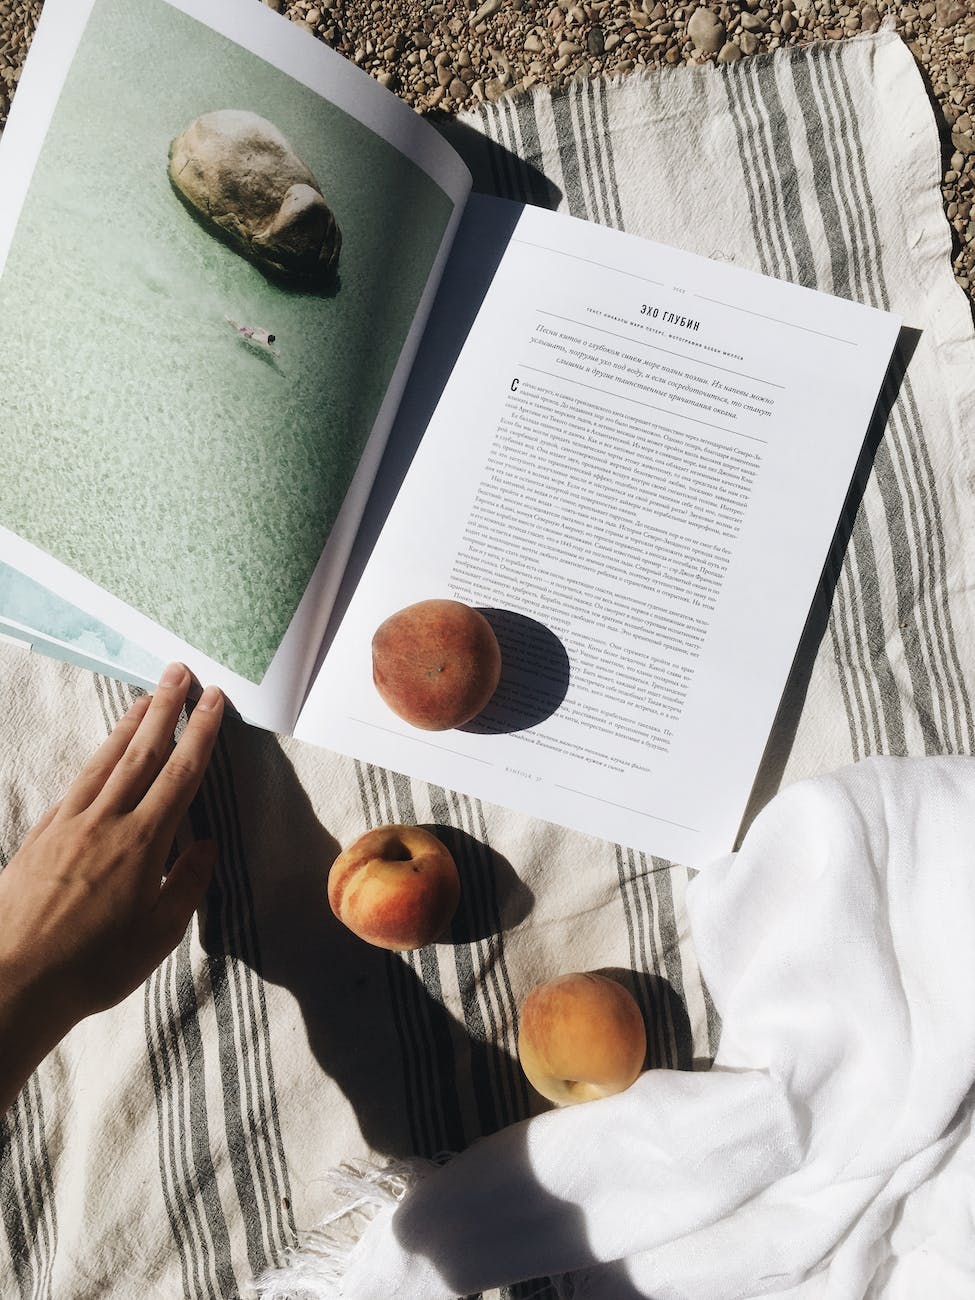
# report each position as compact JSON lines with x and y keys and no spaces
{"x":442,"y":58}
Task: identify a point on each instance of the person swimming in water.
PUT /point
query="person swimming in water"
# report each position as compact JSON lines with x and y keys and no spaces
{"x":252,"y":333}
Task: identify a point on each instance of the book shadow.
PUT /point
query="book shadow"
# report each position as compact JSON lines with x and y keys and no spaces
{"x":371,"y":1023}
{"x":786,"y":723}
{"x":534,"y":675}
{"x":495,"y":169}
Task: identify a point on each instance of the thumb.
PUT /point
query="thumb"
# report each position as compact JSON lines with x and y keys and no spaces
{"x":183,"y":891}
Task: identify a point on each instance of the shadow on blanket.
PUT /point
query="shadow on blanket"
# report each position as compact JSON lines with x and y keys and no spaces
{"x":431,"y":1227}
{"x":347,"y":991}
{"x":783,"y":731}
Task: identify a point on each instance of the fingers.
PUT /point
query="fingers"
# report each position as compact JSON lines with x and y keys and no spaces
{"x":168,"y":799}
{"x":138,"y":765}
{"x":99,"y":768}
{"x":182,"y":893}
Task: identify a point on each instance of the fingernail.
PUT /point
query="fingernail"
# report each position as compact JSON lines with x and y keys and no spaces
{"x":210,"y":698}
{"x":173,"y":675}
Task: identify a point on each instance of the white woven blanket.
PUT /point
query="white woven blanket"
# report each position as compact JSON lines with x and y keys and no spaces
{"x":174,"y":1147}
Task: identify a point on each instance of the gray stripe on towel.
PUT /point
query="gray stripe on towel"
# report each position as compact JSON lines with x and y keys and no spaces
{"x":27,"y":1193}
{"x":416,"y":998}
{"x":905,"y":479}
{"x":255,"y":1148}
{"x":489,"y":1006}
{"x":780,"y":183}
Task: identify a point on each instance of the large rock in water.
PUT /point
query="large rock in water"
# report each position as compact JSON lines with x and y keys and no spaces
{"x":238,"y":172}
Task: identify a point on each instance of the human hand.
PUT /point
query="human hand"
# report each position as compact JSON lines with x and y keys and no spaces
{"x":85,"y":914}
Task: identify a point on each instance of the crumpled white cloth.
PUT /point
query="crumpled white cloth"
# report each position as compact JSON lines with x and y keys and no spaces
{"x":828,"y":1151}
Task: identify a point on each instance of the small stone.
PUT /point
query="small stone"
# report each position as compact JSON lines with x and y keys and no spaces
{"x":751,"y":22}
{"x":595,"y":42}
{"x":533,"y":43}
{"x":706,"y":30}
{"x":964,"y":144}
{"x":494,"y":89}
{"x":748,"y":42}
{"x":569,"y":47}
{"x":313,"y":17}
{"x":948,"y":12}
{"x":788,"y":22}
{"x":968,"y":45}
{"x":457,"y":90}
{"x":387,"y":79}
{"x":729,"y":53}
{"x":488,"y":8}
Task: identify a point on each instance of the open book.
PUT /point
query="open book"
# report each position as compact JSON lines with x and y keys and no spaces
{"x":243,"y":438}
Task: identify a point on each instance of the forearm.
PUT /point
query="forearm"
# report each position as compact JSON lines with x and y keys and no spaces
{"x":31,"y":1025}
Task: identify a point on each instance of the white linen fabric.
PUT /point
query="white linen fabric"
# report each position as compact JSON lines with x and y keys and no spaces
{"x":176,"y":1146}
{"x":838,"y":949}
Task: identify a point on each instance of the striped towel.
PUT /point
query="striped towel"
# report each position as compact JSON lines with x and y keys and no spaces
{"x":175,"y":1146}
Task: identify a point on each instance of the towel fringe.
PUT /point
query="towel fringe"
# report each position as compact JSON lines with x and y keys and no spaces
{"x":313,"y":1268}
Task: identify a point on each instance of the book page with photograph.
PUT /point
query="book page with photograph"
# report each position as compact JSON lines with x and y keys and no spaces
{"x":215,"y":267}
{"x":635,"y":471}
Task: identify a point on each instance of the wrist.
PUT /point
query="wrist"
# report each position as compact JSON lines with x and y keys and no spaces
{"x":33,"y":1020}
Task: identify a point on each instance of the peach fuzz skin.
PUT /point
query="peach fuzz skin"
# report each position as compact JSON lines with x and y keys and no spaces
{"x":396,"y":887}
{"x":436,"y":663}
{"x":581,"y":1037}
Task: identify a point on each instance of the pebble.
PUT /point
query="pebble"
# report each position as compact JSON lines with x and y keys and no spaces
{"x":706,"y":30}
{"x":447,"y":56}
{"x":488,"y":8}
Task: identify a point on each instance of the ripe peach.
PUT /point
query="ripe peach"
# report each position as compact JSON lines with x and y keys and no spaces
{"x":580,"y":1037}
{"x":396,"y":887}
{"x":436,"y":663}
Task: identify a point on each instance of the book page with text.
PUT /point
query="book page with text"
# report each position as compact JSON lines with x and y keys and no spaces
{"x":635,"y":469}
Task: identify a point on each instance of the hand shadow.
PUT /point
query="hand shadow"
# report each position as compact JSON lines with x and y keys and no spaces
{"x":534,"y":675}
{"x":373,"y":1025}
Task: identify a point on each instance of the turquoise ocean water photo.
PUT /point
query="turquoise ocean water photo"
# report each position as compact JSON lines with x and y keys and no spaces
{"x":146,"y":445}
